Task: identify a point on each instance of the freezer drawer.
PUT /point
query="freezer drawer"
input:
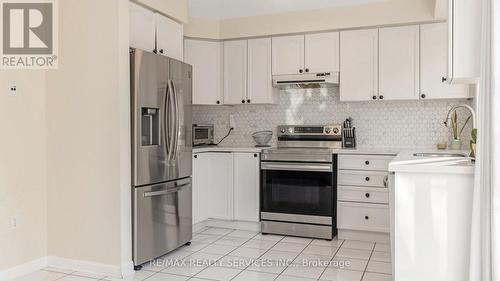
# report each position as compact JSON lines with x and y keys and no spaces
{"x":162,"y":219}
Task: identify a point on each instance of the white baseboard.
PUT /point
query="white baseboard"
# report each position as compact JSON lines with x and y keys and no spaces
{"x":23,"y":269}
{"x":126,"y":269}
{"x":242,"y":225}
{"x":85,"y":266}
{"x":364,"y":236}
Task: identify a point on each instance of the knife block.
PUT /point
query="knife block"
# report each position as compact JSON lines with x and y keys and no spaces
{"x":349,"y":137}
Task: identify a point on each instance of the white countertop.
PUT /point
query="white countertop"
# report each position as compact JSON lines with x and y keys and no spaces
{"x":406,"y":162}
{"x":363,"y":150}
{"x":219,"y":148}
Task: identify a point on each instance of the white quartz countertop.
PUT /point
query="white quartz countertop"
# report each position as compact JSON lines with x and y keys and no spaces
{"x":218,"y":148}
{"x":363,"y":150}
{"x":407,"y":162}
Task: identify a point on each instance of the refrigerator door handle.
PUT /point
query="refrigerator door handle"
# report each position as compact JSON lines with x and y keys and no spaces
{"x":168,"y":191}
{"x":171,"y":126}
{"x":177,"y":120}
{"x":166,"y":137}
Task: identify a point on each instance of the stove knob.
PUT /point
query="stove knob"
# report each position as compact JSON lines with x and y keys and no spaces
{"x":282,"y":131}
{"x":335,"y":130}
{"x":290,"y":130}
{"x":328,"y":130}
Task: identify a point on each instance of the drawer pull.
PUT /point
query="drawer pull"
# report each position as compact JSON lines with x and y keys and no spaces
{"x":366,"y":217}
{"x":367,"y":195}
{"x":367,"y":179}
{"x":367,"y":162}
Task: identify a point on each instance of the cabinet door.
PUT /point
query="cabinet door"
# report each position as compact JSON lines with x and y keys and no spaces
{"x":206,"y":59}
{"x":322,"y":52}
{"x":246,"y":186}
{"x":433,"y":65}
{"x":169,"y":37}
{"x":359,"y":65}
{"x":235,"y":72}
{"x":201,"y":180}
{"x":220,"y":185}
{"x":288,"y":54}
{"x":260,"y":81}
{"x":142,"y":28}
{"x":399,"y":58}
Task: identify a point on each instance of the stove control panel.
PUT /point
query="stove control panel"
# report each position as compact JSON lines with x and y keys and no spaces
{"x":320,"y":130}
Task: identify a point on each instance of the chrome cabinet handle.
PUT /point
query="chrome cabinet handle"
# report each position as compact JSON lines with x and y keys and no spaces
{"x":163,"y":192}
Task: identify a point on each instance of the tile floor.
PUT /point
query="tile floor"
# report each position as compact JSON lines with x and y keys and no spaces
{"x":227,"y":254}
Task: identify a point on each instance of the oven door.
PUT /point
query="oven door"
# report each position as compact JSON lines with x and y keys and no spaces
{"x":297,"y":189}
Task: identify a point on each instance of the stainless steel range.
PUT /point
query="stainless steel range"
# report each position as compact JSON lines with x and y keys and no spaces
{"x":299,"y":182}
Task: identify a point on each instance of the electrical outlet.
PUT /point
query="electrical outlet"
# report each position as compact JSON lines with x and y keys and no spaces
{"x":12,"y":90}
{"x":13,"y":222}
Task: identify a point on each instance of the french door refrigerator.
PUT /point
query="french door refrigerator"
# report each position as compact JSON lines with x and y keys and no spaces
{"x":161,"y":100}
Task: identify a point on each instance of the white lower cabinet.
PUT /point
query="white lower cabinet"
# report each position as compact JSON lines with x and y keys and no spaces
{"x":226,"y":186}
{"x":246,"y":186}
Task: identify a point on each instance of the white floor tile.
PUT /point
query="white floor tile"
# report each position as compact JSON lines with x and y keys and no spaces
{"x":242,"y":234}
{"x":353,"y":253}
{"x":248,"y":275}
{"x":203,"y":258}
{"x":320,"y":250}
{"x":89,"y":275}
{"x":234,"y":262}
{"x":382,"y":247}
{"x":231,"y":241}
{"x":137,"y":276}
{"x":288,"y":247}
{"x":189,"y":269}
{"x":381,"y":256}
{"x":333,"y":243}
{"x":305,"y":258}
{"x":205,"y":238}
{"x":379,"y":267}
{"x":269,"y":237}
{"x":218,"y":273}
{"x":76,"y":278}
{"x":167,"y":277}
{"x":293,"y":278}
{"x":195,"y":246}
{"x":218,"y":249}
{"x":279,"y":256}
{"x":370,"y":276}
{"x":349,"y":264}
{"x":361,"y":245}
{"x":41,"y":275}
{"x":341,"y":275}
{"x":313,"y":272}
{"x":266,"y":267}
{"x":300,"y":240}
{"x":247,"y":252}
{"x":217,"y":231}
{"x":259,"y":244}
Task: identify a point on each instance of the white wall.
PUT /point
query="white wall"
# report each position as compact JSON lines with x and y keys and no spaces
{"x":380,"y":13}
{"x":176,"y":9}
{"x":22,"y":168}
{"x":87,"y":133}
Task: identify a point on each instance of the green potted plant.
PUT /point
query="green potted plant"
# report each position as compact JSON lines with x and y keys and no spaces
{"x":456,"y":142}
{"x":473,"y":141}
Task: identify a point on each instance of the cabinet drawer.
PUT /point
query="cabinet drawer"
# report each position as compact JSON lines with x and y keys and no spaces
{"x":364,"y":162}
{"x":362,"y":178}
{"x":363,"y":216}
{"x":363,"y":194}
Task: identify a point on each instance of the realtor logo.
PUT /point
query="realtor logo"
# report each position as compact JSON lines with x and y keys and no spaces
{"x":28,"y":34}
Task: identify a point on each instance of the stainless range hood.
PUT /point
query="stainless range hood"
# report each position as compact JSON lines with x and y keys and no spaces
{"x":306,"y":81}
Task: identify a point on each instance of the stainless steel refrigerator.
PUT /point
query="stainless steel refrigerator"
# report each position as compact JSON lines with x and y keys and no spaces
{"x":161,"y":99}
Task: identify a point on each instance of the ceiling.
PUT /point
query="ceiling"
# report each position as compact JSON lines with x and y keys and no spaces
{"x":224,"y":9}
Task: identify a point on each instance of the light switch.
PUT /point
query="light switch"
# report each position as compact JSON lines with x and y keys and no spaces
{"x":12,"y":90}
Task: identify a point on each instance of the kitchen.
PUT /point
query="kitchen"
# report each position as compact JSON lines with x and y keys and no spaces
{"x":288,"y":141}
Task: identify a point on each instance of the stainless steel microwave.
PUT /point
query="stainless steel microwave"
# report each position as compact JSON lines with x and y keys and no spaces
{"x":203,"y":134}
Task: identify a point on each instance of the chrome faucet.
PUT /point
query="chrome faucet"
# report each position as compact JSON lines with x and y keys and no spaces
{"x":473,"y":113}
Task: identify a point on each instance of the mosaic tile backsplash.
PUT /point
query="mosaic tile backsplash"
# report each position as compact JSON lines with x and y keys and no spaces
{"x":381,"y":124}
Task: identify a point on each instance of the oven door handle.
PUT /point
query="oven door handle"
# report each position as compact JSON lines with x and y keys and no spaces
{"x":306,"y":167}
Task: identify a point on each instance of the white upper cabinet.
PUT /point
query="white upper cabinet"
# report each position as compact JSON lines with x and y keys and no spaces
{"x":206,"y":59}
{"x":464,"y":41}
{"x":246,"y":186}
{"x":169,"y":37}
{"x":322,"y":52}
{"x":433,"y":44}
{"x":235,"y":72}
{"x":359,"y":65}
{"x":142,"y":28}
{"x":399,"y":59}
{"x":260,"y":82}
{"x":288,"y":54}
